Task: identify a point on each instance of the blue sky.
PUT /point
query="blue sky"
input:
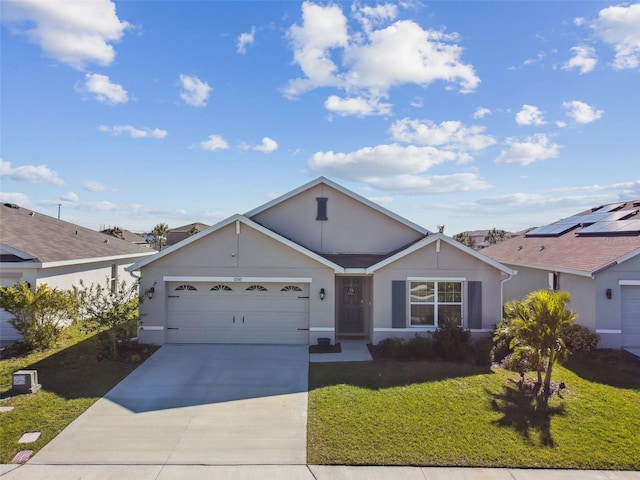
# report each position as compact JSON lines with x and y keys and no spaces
{"x":470,"y":114}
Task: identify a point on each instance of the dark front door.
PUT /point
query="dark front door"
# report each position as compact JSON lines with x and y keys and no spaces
{"x":351,"y":307}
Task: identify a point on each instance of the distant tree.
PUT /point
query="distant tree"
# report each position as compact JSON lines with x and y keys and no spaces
{"x":115,"y":232}
{"x":159,"y":234}
{"x":192,"y":231}
{"x":494,"y":236}
{"x":39,"y":315}
{"x":464,"y":238}
{"x":535,"y":328}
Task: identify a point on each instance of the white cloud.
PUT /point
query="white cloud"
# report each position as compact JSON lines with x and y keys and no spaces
{"x":532,"y":149}
{"x":70,"y":197}
{"x":268,"y":145}
{"x":15,"y":198}
{"x":529,"y":115}
{"x":430,"y":184}
{"x":619,"y":26}
{"x":481,"y":112}
{"x":356,"y":106}
{"x":447,"y":135}
{"x":194,"y":92}
{"x":213,"y":143}
{"x":245,"y":39}
{"x":93,"y":186}
{"x":367,"y":64}
{"x":581,"y":112}
{"x":104,"y":91}
{"x":370,"y":16}
{"x":134,"y":132}
{"x":584,"y":59}
{"x":30,"y":173}
{"x":73,"y":32}
{"x":579,"y":21}
{"x":379,"y":161}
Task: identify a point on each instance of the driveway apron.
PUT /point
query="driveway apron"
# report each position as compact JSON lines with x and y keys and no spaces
{"x":197,"y":404}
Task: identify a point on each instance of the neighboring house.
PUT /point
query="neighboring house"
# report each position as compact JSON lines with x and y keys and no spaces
{"x":178,"y":234}
{"x":320,"y":261}
{"x":128,"y":236}
{"x":595,"y":256}
{"x":38,"y":249}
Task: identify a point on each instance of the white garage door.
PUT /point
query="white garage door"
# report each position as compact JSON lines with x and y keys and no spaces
{"x":238,"y":313}
{"x":630,"y":316}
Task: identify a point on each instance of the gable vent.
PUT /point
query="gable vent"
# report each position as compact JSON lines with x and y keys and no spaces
{"x":322,"y":208}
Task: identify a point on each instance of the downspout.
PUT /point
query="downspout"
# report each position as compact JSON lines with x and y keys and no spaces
{"x":510,"y":276}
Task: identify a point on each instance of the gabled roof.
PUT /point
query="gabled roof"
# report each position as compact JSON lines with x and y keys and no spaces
{"x":341,"y":189}
{"x":443,"y":238}
{"x":186,"y":228}
{"x":224,"y":223}
{"x":30,"y":237}
{"x":573,"y":251}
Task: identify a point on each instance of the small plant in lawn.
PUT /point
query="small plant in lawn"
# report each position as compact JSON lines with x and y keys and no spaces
{"x":534,"y":327}
{"x":39,"y":315}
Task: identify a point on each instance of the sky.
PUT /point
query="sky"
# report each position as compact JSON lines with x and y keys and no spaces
{"x":472,"y":115}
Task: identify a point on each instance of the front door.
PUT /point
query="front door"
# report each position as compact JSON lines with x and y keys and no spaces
{"x":351,"y":306}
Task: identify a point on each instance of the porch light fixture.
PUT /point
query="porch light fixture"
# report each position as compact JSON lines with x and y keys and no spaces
{"x":608,"y":293}
{"x":150,"y":293}
{"x":322,"y":294}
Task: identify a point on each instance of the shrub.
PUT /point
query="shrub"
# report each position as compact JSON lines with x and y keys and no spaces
{"x":420,"y":347}
{"x":40,"y":315}
{"x":502,"y":338}
{"x":392,"y":348}
{"x":578,"y":338}
{"x":481,"y":351}
{"x":451,"y":341}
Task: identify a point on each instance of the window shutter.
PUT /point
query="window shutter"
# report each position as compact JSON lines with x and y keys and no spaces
{"x":474,"y":305}
{"x":398,"y":304}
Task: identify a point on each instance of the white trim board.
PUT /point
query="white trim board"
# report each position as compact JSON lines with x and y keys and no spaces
{"x":171,"y":278}
{"x":628,"y":282}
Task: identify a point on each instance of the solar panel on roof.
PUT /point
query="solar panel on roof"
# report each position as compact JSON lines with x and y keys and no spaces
{"x":552,"y":230}
{"x":619,"y":227}
{"x":615,"y":206}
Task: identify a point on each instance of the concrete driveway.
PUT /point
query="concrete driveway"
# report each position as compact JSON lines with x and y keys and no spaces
{"x":198,"y":405}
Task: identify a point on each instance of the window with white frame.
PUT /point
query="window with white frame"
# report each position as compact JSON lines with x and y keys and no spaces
{"x":433,"y":302}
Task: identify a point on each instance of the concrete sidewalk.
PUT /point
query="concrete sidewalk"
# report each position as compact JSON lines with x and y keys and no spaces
{"x":295,"y":472}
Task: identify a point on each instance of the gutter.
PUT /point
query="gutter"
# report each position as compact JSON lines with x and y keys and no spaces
{"x":502,"y":282}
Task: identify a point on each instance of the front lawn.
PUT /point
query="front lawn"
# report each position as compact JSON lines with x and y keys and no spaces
{"x":72,"y":379}
{"x":433,"y":413}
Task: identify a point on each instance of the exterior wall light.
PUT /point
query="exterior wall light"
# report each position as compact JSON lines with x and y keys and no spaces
{"x":150,"y":293}
{"x":608,"y":293}
{"x":322,"y":294}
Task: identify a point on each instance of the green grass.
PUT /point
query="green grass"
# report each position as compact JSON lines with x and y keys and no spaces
{"x":432,"y":413}
{"x":72,"y":380}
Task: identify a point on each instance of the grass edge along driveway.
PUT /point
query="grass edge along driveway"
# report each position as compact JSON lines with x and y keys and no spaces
{"x":72,"y":378}
{"x":432,"y":413}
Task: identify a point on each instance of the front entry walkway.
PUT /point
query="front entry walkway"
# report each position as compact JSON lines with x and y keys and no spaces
{"x":352,"y":351}
{"x":196,"y":405}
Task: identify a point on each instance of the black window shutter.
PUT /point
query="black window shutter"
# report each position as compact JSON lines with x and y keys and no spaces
{"x":398,"y":304}
{"x":474,"y":305}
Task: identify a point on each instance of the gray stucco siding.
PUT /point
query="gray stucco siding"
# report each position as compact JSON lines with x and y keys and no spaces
{"x":427,"y":263}
{"x":225,"y":254}
{"x":351,"y":226}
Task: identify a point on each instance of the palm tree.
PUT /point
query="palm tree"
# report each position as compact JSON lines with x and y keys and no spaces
{"x":535,"y":327}
{"x":159,"y":233}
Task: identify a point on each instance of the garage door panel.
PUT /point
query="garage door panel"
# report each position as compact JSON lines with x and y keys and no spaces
{"x":279,"y":314}
{"x":630,"y":316}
